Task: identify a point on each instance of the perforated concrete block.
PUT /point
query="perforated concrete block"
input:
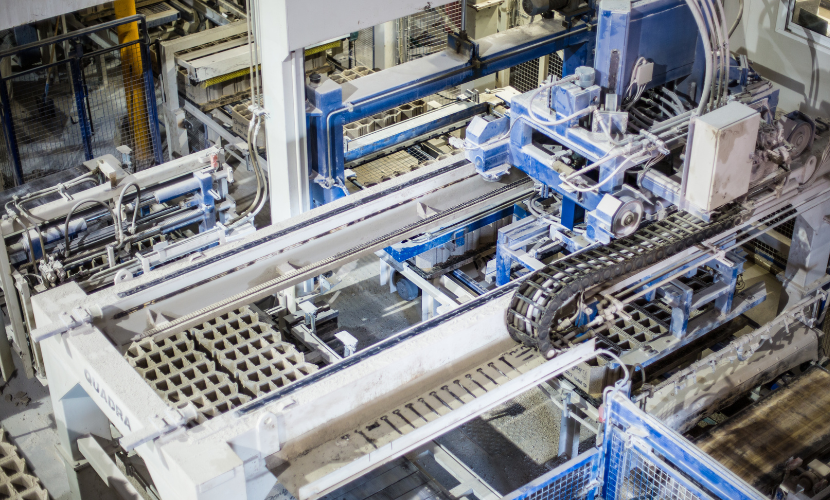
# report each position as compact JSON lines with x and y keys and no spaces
{"x":219,"y":364}
{"x":253,"y":351}
{"x":155,"y":361}
{"x":15,"y":481}
{"x":211,"y":391}
{"x":181,"y":374}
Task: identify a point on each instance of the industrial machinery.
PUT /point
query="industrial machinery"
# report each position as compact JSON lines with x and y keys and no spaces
{"x":586,"y":248}
{"x":102,"y":223}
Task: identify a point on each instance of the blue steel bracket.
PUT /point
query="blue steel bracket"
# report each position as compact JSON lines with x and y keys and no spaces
{"x":680,"y":298}
{"x":326,"y":154}
{"x":463,"y":46}
{"x":627,"y":422}
{"x":416,"y":246}
{"x":514,"y":237}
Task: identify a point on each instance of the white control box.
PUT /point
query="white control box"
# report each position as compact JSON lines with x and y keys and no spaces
{"x":721,"y":165}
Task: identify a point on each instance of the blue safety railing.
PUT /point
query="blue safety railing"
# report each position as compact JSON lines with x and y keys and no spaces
{"x":83,"y":97}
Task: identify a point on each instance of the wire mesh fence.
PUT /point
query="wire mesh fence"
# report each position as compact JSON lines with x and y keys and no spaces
{"x":118,"y":104}
{"x":426,"y":32}
{"x":56,"y":115}
{"x":364,"y":48}
{"x":768,"y":254}
{"x":632,"y":474}
{"x":41,"y":117}
{"x":527,"y":76}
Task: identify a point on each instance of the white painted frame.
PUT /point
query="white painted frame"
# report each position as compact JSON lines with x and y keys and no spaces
{"x":797,"y":32}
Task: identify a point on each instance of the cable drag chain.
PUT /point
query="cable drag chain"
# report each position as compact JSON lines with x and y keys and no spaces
{"x":532,"y":310}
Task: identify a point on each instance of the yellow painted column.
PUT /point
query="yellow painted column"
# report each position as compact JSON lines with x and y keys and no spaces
{"x":133,"y":75}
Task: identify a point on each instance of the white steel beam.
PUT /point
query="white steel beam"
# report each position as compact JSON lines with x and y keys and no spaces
{"x":283,"y":92}
{"x":106,"y":468}
{"x":302,"y":23}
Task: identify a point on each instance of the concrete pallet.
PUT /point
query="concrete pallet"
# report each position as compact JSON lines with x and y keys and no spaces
{"x":15,"y":481}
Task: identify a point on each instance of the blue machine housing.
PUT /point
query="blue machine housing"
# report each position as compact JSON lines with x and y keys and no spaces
{"x":662,"y":31}
{"x":626,"y":32}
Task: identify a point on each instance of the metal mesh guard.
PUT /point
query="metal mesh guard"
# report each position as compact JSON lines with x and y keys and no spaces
{"x":568,"y":482}
{"x":632,"y":475}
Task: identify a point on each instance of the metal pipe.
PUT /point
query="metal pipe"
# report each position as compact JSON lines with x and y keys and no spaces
{"x":464,"y":18}
{"x":708,"y":253}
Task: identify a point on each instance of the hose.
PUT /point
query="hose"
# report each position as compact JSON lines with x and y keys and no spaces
{"x":262,"y":184}
{"x":119,"y":231}
{"x":264,"y":197}
{"x":252,"y":154}
{"x":707,"y":48}
{"x":45,"y":192}
{"x":707,"y":10}
{"x":69,"y":216}
{"x":737,"y":19}
{"x":725,"y":56}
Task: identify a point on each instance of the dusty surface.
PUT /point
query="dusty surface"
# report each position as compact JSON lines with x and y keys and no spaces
{"x":791,"y":422}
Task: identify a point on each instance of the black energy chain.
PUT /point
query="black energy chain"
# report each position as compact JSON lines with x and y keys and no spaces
{"x":535,"y":303}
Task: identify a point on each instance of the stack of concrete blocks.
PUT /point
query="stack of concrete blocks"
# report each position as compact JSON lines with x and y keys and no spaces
{"x":180,"y":374}
{"x":252,"y":351}
{"x":380,"y":120}
{"x":200,"y":94}
{"x":350,"y":74}
{"x":241,"y":120}
{"x":15,"y":481}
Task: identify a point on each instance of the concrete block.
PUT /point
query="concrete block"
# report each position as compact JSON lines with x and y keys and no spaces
{"x":15,"y":481}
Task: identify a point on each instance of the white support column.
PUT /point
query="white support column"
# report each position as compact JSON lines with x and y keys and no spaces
{"x":283,"y":87}
{"x":385,"y":45}
{"x":76,"y":416}
{"x":809,"y":252}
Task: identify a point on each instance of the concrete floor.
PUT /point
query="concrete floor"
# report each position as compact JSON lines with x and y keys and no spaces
{"x":366,"y":309}
{"x":769,"y":308}
{"x":369,"y":312}
{"x":32,"y":428}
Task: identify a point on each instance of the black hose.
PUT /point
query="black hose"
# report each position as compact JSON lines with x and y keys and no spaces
{"x":69,"y":216}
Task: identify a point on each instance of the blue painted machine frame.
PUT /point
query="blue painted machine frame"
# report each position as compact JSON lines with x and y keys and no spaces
{"x":463,"y":61}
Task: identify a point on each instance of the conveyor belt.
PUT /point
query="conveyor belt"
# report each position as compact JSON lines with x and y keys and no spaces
{"x":791,"y":422}
{"x":379,"y":432}
{"x":530,"y":318}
